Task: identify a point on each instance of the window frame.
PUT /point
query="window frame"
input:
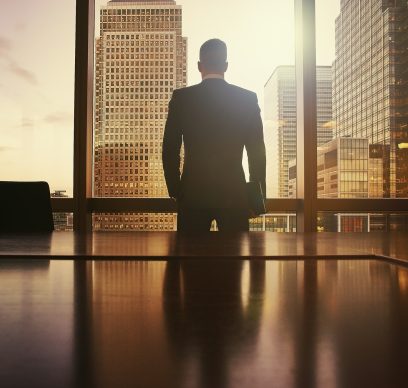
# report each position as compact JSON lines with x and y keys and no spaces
{"x":306,"y":205}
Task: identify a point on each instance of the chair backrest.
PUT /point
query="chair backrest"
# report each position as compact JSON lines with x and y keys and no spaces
{"x":25,"y":207}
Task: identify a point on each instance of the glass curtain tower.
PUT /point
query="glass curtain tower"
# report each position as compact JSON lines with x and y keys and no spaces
{"x":280,"y":124}
{"x":370,"y":86}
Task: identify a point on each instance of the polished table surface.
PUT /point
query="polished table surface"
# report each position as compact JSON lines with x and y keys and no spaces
{"x":179,"y":310}
{"x":203,"y":323}
{"x":211,"y":245}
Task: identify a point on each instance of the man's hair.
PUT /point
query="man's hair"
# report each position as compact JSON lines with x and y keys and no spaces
{"x":213,"y":55}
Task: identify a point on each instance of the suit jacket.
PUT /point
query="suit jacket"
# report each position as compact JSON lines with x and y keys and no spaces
{"x":215,"y":121}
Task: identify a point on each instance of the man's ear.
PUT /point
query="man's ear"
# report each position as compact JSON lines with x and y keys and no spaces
{"x":199,"y":66}
{"x":226,"y":67}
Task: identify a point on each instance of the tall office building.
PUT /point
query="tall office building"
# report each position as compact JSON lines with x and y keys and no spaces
{"x":140,"y":60}
{"x":370,"y":87}
{"x":280,"y":123}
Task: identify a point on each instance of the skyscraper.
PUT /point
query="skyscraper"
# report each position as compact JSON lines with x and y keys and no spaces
{"x":370,"y":87}
{"x":280,"y":123}
{"x":140,"y":60}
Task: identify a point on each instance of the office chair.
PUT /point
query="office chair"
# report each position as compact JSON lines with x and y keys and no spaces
{"x":25,"y":207}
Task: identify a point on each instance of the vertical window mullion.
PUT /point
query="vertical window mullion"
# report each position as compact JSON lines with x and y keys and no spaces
{"x":306,"y":115}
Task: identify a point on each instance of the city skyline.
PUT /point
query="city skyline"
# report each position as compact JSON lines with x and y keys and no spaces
{"x":37,"y":92}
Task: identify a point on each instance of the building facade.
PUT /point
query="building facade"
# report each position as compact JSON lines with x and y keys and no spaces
{"x":273,"y":222}
{"x":342,"y":169}
{"x":370,"y":86}
{"x":140,"y":60}
{"x":63,"y":221}
{"x":280,"y":123}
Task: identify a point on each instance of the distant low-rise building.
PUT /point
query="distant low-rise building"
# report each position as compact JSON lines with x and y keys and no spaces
{"x":63,"y":221}
{"x":346,"y":168}
{"x":276,"y":222}
{"x":342,"y":168}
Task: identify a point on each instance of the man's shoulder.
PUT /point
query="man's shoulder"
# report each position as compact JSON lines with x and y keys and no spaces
{"x":231,"y":91}
{"x":233,"y":88}
{"x":243,"y":92}
{"x":185,"y":91}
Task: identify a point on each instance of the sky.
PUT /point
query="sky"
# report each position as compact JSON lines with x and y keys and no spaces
{"x":37,"y":69}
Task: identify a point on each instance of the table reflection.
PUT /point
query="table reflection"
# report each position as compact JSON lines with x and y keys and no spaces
{"x":36,"y":324}
{"x":207,"y":330}
{"x":198,"y":323}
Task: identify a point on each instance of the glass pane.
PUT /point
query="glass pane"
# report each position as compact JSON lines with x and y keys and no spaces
{"x":37,"y":55}
{"x":136,"y":222}
{"x":273,"y":222}
{"x":63,"y":221}
{"x":142,"y":55}
{"x":280,"y":132}
{"x":362,"y":222}
{"x":283,"y":161}
{"x":364,"y":42}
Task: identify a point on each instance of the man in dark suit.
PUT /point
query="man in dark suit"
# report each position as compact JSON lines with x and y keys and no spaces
{"x":215,"y":120}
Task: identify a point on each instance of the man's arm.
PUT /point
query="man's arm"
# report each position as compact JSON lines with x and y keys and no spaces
{"x":172,"y":140}
{"x":255,"y":147}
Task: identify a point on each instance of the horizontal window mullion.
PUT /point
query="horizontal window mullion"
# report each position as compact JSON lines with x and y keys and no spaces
{"x":282,"y":205}
{"x":158,"y":205}
{"x":62,"y":205}
{"x":272,"y":205}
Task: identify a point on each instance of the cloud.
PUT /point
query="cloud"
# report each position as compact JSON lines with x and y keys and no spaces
{"x":11,"y":65}
{"x":5,"y":148}
{"x":25,"y":123}
{"x":58,"y":117}
{"x":20,"y":26}
{"x":21,"y":72}
{"x":5,"y":44}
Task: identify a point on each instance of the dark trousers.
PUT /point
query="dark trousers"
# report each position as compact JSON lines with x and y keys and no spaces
{"x":199,"y":220}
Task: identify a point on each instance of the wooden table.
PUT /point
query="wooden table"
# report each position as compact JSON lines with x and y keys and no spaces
{"x":211,"y":245}
{"x":168,"y":310}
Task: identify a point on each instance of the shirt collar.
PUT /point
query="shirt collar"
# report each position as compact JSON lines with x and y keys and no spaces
{"x":218,"y":76}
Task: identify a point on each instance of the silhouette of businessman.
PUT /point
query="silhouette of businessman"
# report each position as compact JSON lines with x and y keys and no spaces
{"x":215,"y":120}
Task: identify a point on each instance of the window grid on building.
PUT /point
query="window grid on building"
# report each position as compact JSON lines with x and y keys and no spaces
{"x":140,"y":60}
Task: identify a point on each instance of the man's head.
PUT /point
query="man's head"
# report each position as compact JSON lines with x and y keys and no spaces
{"x":213,"y":57}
